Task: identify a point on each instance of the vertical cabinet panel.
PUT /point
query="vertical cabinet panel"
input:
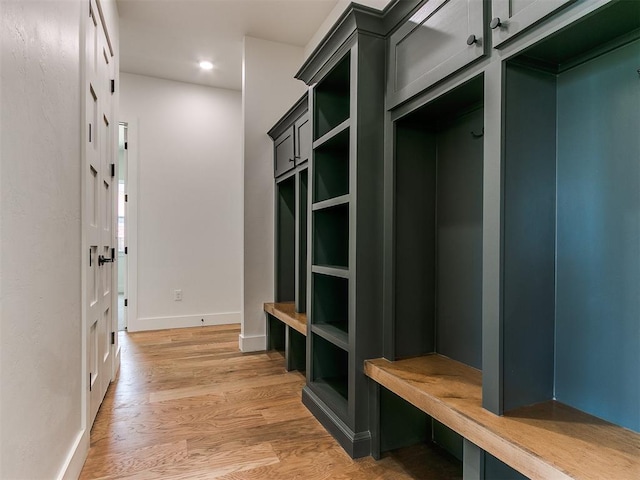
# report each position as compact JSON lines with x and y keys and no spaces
{"x":441,"y":38}
{"x":511,"y":17}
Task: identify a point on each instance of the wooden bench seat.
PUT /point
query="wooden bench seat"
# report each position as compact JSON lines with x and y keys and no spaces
{"x":291,"y":336}
{"x":286,"y":313}
{"x":549,"y":440}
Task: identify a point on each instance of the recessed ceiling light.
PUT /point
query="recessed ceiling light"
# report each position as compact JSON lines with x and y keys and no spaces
{"x":205,"y":65}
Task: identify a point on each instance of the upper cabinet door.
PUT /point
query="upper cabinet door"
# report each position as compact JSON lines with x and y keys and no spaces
{"x":510,"y":17}
{"x":440,"y":38}
{"x":302,"y":129}
{"x":284,"y":157}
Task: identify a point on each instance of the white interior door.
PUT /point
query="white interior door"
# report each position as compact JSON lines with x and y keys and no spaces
{"x":99,"y":203}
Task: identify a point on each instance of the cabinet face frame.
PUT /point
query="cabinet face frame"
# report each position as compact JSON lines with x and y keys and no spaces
{"x":513,"y":23}
{"x":434,"y":12}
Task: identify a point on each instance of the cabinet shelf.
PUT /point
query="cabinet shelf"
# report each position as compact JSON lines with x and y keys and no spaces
{"x":528,"y":438}
{"x":335,"y":138}
{"x":333,"y":391}
{"x":340,"y":272}
{"x":335,"y":333}
{"x":332,"y":202}
{"x":329,"y":374}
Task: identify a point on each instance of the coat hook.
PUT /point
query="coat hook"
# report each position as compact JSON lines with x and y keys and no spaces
{"x":478,"y":135}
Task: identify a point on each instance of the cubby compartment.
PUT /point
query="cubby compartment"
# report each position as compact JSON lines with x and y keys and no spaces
{"x":285,"y":259}
{"x":330,"y":306}
{"x":331,"y":98}
{"x":571,"y":248}
{"x":331,"y":236}
{"x":329,"y":376}
{"x":331,"y":168}
{"x":438,"y":228}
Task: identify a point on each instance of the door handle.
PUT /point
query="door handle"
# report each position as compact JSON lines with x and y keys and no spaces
{"x":102,"y":260}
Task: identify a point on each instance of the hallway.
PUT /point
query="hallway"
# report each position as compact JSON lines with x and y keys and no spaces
{"x":188,"y":405}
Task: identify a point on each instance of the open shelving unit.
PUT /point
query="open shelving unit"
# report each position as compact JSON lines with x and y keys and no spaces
{"x":329,"y":342}
{"x":482,"y":234}
{"x":345,"y":235}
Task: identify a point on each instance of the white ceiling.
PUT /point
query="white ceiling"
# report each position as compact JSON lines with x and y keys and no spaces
{"x":167,"y":38}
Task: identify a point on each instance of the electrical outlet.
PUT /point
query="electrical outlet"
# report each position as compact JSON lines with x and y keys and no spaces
{"x":177,"y":295}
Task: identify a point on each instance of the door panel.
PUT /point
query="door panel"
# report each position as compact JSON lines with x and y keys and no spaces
{"x":511,"y":17}
{"x":99,"y":206}
{"x":442,"y":37}
{"x":284,"y":152}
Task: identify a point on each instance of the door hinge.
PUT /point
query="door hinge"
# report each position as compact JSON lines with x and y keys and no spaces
{"x":89,"y":132}
{"x":126,"y":197}
{"x":113,"y":338}
{"x":113,"y":86}
{"x":113,"y":170}
{"x":89,"y":381}
{"x":126,"y":145}
{"x":126,"y":302}
{"x":126,"y":250}
{"x":90,"y":257}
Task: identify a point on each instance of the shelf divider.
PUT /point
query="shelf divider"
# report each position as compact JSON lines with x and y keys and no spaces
{"x":341,"y":272}
{"x":331,"y":202}
{"x":332,"y":133}
{"x":332,"y":334}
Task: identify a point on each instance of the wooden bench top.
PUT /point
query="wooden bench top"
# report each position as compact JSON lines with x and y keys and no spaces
{"x":286,"y":312}
{"x":548,"y":440}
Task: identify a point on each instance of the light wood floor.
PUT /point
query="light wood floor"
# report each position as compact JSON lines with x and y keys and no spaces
{"x":188,"y":405}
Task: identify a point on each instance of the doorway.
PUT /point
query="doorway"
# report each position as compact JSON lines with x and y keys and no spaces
{"x":123,"y":267}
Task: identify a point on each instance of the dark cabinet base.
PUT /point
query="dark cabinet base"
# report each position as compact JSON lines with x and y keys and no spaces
{"x":356,"y":444}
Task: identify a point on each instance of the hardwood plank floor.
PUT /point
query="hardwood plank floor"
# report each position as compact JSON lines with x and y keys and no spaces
{"x":189,"y":405}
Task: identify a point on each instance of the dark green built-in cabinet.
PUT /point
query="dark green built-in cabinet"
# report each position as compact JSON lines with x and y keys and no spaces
{"x":346,"y":78}
{"x":474,"y":192}
{"x":291,"y":137}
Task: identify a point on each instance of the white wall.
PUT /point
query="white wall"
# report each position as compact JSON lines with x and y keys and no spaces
{"x":334,"y":15}
{"x":269,"y":90}
{"x":40,"y":304}
{"x":189,"y":198}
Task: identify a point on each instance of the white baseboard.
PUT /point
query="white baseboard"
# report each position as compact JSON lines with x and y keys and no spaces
{"x":252,"y":344}
{"x":162,"y":323}
{"x":75,"y":459}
